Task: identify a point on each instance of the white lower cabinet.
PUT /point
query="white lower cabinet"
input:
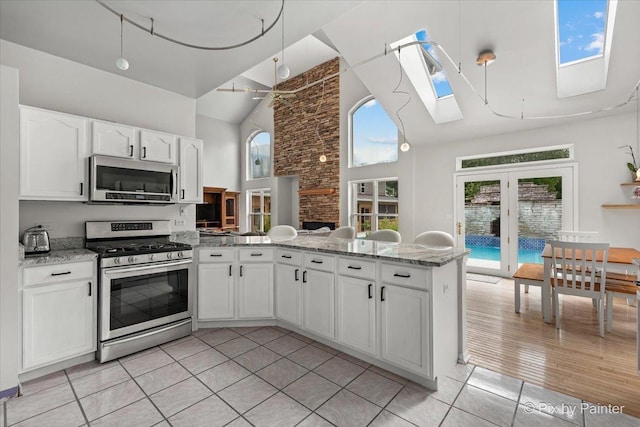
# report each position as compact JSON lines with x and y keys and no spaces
{"x":357,"y":313}
{"x":216,"y":286}
{"x":288,"y":294}
{"x":404,"y":327}
{"x":255,"y":291}
{"x":59,"y":319}
{"x":318,"y":290}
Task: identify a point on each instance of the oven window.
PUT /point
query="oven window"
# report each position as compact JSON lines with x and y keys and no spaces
{"x":122,"y":179}
{"x":147,"y":297}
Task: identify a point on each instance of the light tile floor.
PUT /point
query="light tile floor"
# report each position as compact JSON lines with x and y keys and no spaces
{"x":272,"y":377}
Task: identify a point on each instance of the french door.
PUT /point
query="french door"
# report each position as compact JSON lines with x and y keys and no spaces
{"x":505,"y":217}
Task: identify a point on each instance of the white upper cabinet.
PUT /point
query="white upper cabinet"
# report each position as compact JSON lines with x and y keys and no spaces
{"x":112,"y":139}
{"x":53,"y":155}
{"x":158,"y":147}
{"x":190,"y":170}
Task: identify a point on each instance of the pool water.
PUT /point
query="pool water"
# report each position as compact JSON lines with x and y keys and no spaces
{"x":492,"y":253}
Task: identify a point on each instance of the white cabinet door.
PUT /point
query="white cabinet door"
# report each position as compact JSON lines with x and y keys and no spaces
{"x":288,"y":295}
{"x":319,"y":303}
{"x":404,"y":328}
{"x":111,"y":139}
{"x":53,"y":156}
{"x":357,"y":313}
{"x":58,"y":322}
{"x":157,"y":147}
{"x":215,"y":291}
{"x":255,"y":291}
{"x":190,"y":170}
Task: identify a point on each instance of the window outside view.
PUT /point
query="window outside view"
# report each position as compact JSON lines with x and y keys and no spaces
{"x":260,"y":211}
{"x":374,"y":136}
{"x":259,"y":155}
{"x":581,"y":29}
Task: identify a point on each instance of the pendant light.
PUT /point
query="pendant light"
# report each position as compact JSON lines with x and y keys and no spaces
{"x":283,"y":71}
{"x":122,"y":63}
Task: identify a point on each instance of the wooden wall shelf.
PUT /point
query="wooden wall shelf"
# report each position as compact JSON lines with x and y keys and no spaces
{"x":635,"y":183}
{"x":316,"y":191}
{"x":621,"y":206}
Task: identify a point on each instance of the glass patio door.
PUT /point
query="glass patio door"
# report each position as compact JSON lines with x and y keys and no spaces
{"x":505,"y":218}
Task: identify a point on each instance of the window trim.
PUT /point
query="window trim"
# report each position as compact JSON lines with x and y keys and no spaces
{"x":374,"y":213}
{"x":569,"y":147}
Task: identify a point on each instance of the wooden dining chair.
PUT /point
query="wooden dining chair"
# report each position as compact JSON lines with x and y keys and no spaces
{"x":578,"y":236}
{"x":577,"y":271}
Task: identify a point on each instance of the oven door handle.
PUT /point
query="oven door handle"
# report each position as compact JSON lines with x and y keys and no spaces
{"x":145,"y":267}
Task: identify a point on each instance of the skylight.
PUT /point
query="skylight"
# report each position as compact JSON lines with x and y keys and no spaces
{"x":436,"y":73}
{"x":581,"y":29}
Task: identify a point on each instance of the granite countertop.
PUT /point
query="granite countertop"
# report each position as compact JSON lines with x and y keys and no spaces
{"x":59,"y":256}
{"x":433,"y":256}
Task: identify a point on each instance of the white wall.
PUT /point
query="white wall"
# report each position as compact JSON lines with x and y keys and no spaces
{"x":58,"y":84}
{"x":9,"y":301}
{"x":601,"y":170}
{"x":221,"y":159}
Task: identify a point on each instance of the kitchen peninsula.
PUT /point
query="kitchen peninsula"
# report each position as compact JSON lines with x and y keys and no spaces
{"x":398,"y":306}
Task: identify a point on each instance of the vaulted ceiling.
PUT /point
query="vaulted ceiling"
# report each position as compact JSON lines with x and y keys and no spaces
{"x":520,"y":32}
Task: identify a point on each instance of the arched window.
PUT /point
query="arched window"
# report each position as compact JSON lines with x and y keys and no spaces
{"x":374,"y":137}
{"x":259,"y":155}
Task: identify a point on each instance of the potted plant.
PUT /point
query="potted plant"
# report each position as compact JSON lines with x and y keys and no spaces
{"x":633,"y":165}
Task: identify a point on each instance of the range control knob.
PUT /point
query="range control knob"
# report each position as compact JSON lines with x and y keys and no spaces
{"x":180,"y":254}
{"x":132,"y":259}
{"x":152,"y":257}
{"x":116,"y":260}
{"x":169,"y":255}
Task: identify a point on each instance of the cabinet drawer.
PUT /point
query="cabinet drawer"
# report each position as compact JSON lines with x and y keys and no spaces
{"x":402,"y":274}
{"x":58,"y":273}
{"x":355,"y":267}
{"x":216,"y":255}
{"x":319,"y":262}
{"x":256,"y":255}
{"x":284,"y":256}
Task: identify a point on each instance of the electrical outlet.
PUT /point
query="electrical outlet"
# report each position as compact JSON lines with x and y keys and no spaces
{"x":181,"y":222}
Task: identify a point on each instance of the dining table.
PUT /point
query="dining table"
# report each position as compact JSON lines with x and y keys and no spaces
{"x":623,"y":260}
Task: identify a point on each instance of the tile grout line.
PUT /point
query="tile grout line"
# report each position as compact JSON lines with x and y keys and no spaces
{"x":73,"y":390}
{"x":40,"y":413}
{"x":143,"y":391}
{"x":515,"y":413}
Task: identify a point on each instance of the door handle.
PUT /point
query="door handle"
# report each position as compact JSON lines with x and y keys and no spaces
{"x":370,"y":286}
{"x":459,"y":228}
{"x":89,"y":288}
{"x":304,"y":277}
{"x":296,"y":275}
{"x":382,"y":293}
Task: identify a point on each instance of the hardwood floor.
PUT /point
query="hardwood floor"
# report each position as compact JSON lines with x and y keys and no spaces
{"x":573,"y":360}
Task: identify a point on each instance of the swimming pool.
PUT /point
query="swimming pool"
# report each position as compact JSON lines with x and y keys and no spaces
{"x":492,"y":253}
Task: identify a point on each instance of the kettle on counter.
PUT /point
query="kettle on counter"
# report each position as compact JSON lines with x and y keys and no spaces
{"x":36,"y":240}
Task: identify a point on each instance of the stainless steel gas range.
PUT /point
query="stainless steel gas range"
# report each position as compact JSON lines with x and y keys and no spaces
{"x":144,"y":296}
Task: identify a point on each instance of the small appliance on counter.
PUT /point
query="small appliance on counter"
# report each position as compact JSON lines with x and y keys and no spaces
{"x":36,"y":240}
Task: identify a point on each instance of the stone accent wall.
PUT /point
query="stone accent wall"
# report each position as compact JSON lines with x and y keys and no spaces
{"x":297,"y":148}
{"x":539,"y":219}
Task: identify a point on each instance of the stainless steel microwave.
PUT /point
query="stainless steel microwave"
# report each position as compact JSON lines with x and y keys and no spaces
{"x":118,"y":180}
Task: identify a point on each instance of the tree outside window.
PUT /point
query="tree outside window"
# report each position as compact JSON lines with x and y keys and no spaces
{"x":374,"y":206}
{"x":260,"y":210}
{"x":259,"y":155}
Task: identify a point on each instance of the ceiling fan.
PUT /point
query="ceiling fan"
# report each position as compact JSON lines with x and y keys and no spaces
{"x":277,"y":96}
